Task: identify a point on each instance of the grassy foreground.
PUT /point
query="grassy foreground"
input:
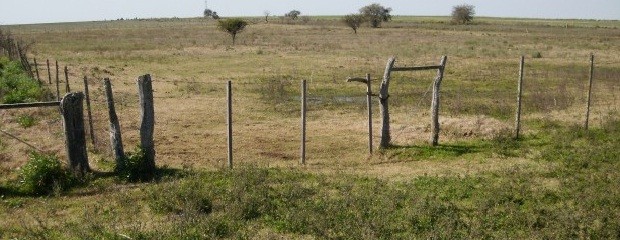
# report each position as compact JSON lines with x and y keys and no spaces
{"x":576,"y":195}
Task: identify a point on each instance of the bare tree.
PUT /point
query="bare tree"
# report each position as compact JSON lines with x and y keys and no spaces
{"x":376,"y":14}
{"x":463,"y":14}
{"x":266,"y":14}
{"x":354,"y":21}
{"x":232,"y":26}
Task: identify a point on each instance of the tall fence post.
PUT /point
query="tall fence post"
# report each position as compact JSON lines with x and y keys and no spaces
{"x":590,"y":91}
{"x":115,"y":129}
{"x":369,"y":103}
{"x":49,"y":73}
{"x":147,"y":126}
{"x":229,"y":122}
{"x":73,"y":123}
{"x":435,"y":102}
{"x":57,"y":83}
{"x":383,"y":99}
{"x":67,"y":88}
{"x":519,"y":95}
{"x":89,"y":112}
{"x":304,"y":89}
{"x":36,"y":69}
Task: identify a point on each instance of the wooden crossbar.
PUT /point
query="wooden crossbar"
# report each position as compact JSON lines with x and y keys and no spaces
{"x":418,"y":68}
{"x":30,"y":105}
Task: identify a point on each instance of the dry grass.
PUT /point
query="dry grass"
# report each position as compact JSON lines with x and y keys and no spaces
{"x":190,"y":62}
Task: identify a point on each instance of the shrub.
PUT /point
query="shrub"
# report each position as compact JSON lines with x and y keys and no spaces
{"x":15,"y":85}
{"x":44,"y":174}
{"x":354,"y":21}
{"x":26,"y":121}
{"x":463,"y":14}
{"x":376,"y":14}
{"x":134,"y":169}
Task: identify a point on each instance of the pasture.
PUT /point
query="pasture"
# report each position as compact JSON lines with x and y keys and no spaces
{"x":558,"y":181}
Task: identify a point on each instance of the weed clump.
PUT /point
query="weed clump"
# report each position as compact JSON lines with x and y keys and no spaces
{"x":44,"y":175}
{"x":15,"y":85}
{"x":134,"y":168}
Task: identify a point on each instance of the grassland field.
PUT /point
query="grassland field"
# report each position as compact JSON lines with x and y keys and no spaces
{"x":558,"y":181}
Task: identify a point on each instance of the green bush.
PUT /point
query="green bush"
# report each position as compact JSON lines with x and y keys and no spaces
{"x":15,"y":85}
{"x":134,"y":169}
{"x":26,"y":121}
{"x":44,"y":174}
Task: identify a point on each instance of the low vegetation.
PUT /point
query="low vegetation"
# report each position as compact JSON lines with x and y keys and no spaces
{"x":15,"y":85}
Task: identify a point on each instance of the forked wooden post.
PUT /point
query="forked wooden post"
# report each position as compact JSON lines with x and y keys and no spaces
{"x":67,"y":88}
{"x":303,"y":121}
{"x":115,"y":129}
{"x":75,"y":139}
{"x":435,"y":102}
{"x":519,"y":95}
{"x":147,"y":126}
{"x":229,"y":122}
{"x":590,"y":91}
{"x":383,"y":99}
{"x":89,"y":112}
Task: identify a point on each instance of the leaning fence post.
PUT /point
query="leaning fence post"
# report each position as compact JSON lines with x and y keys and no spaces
{"x":519,"y":95}
{"x":303,"y":121}
{"x":88,"y":111}
{"x":57,"y":83}
{"x":435,"y":102}
{"x":369,"y":103}
{"x":67,"y":88}
{"x":115,"y":129}
{"x":383,"y":99}
{"x":36,"y":69}
{"x":590,"y":90}
{"x":75,"y":139}
{"x":229,"y":123}
{"x":147,"y":127}
{"x":49,"y":73}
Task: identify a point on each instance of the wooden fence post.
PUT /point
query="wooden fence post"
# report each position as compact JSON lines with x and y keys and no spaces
{"x":73,"y":123}
{"x":303,"y":121}
{"x":57,"y":83}
{"x":115,"y":129}
{"x":67,"y":88}
{"x":369,"y":103}
{"x":519,"y":95}
{"x":590,"y":90}
{"x":147,"y":127}
{"x":89,"y":112}
{"x":36,"y":69}
{"x":49,"y":73}
{"x":229,"y":122}
{"x":383,"y":99}
{"x":435,"y":102}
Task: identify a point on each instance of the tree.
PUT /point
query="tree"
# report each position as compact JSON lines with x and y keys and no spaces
{"x":463,"y":14}
{"x":266,"y":13}
{"x":293,"y":14}
{"x":210,"y":13}
{"x":354,"y":21}
{"x":232,"y":26}
{"x":376,"y":14}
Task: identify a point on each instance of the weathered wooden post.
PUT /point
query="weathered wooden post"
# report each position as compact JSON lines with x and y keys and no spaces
{"x":303,"y":121}
{"x":383,"y":99}
{"x":73,"y":123}
{"x":49,"y":73}
{"x":57,"y":83}
{"x":88,"y":111}
{"x":519,"y":94}
{"x":590,"y":91}
{"x":115,"y":129}
{"x":435,"y":102}
{"x":36,"y":69}
{"x":369,"y":95}
{"x":67,"y":88}
{"x":147,"y":126}
{"x":229,"y":122}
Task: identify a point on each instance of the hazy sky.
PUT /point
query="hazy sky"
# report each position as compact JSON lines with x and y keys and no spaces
{"x":44,"y":11}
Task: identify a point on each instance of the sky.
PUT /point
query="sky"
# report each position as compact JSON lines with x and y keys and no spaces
{"x":48,"y":11}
